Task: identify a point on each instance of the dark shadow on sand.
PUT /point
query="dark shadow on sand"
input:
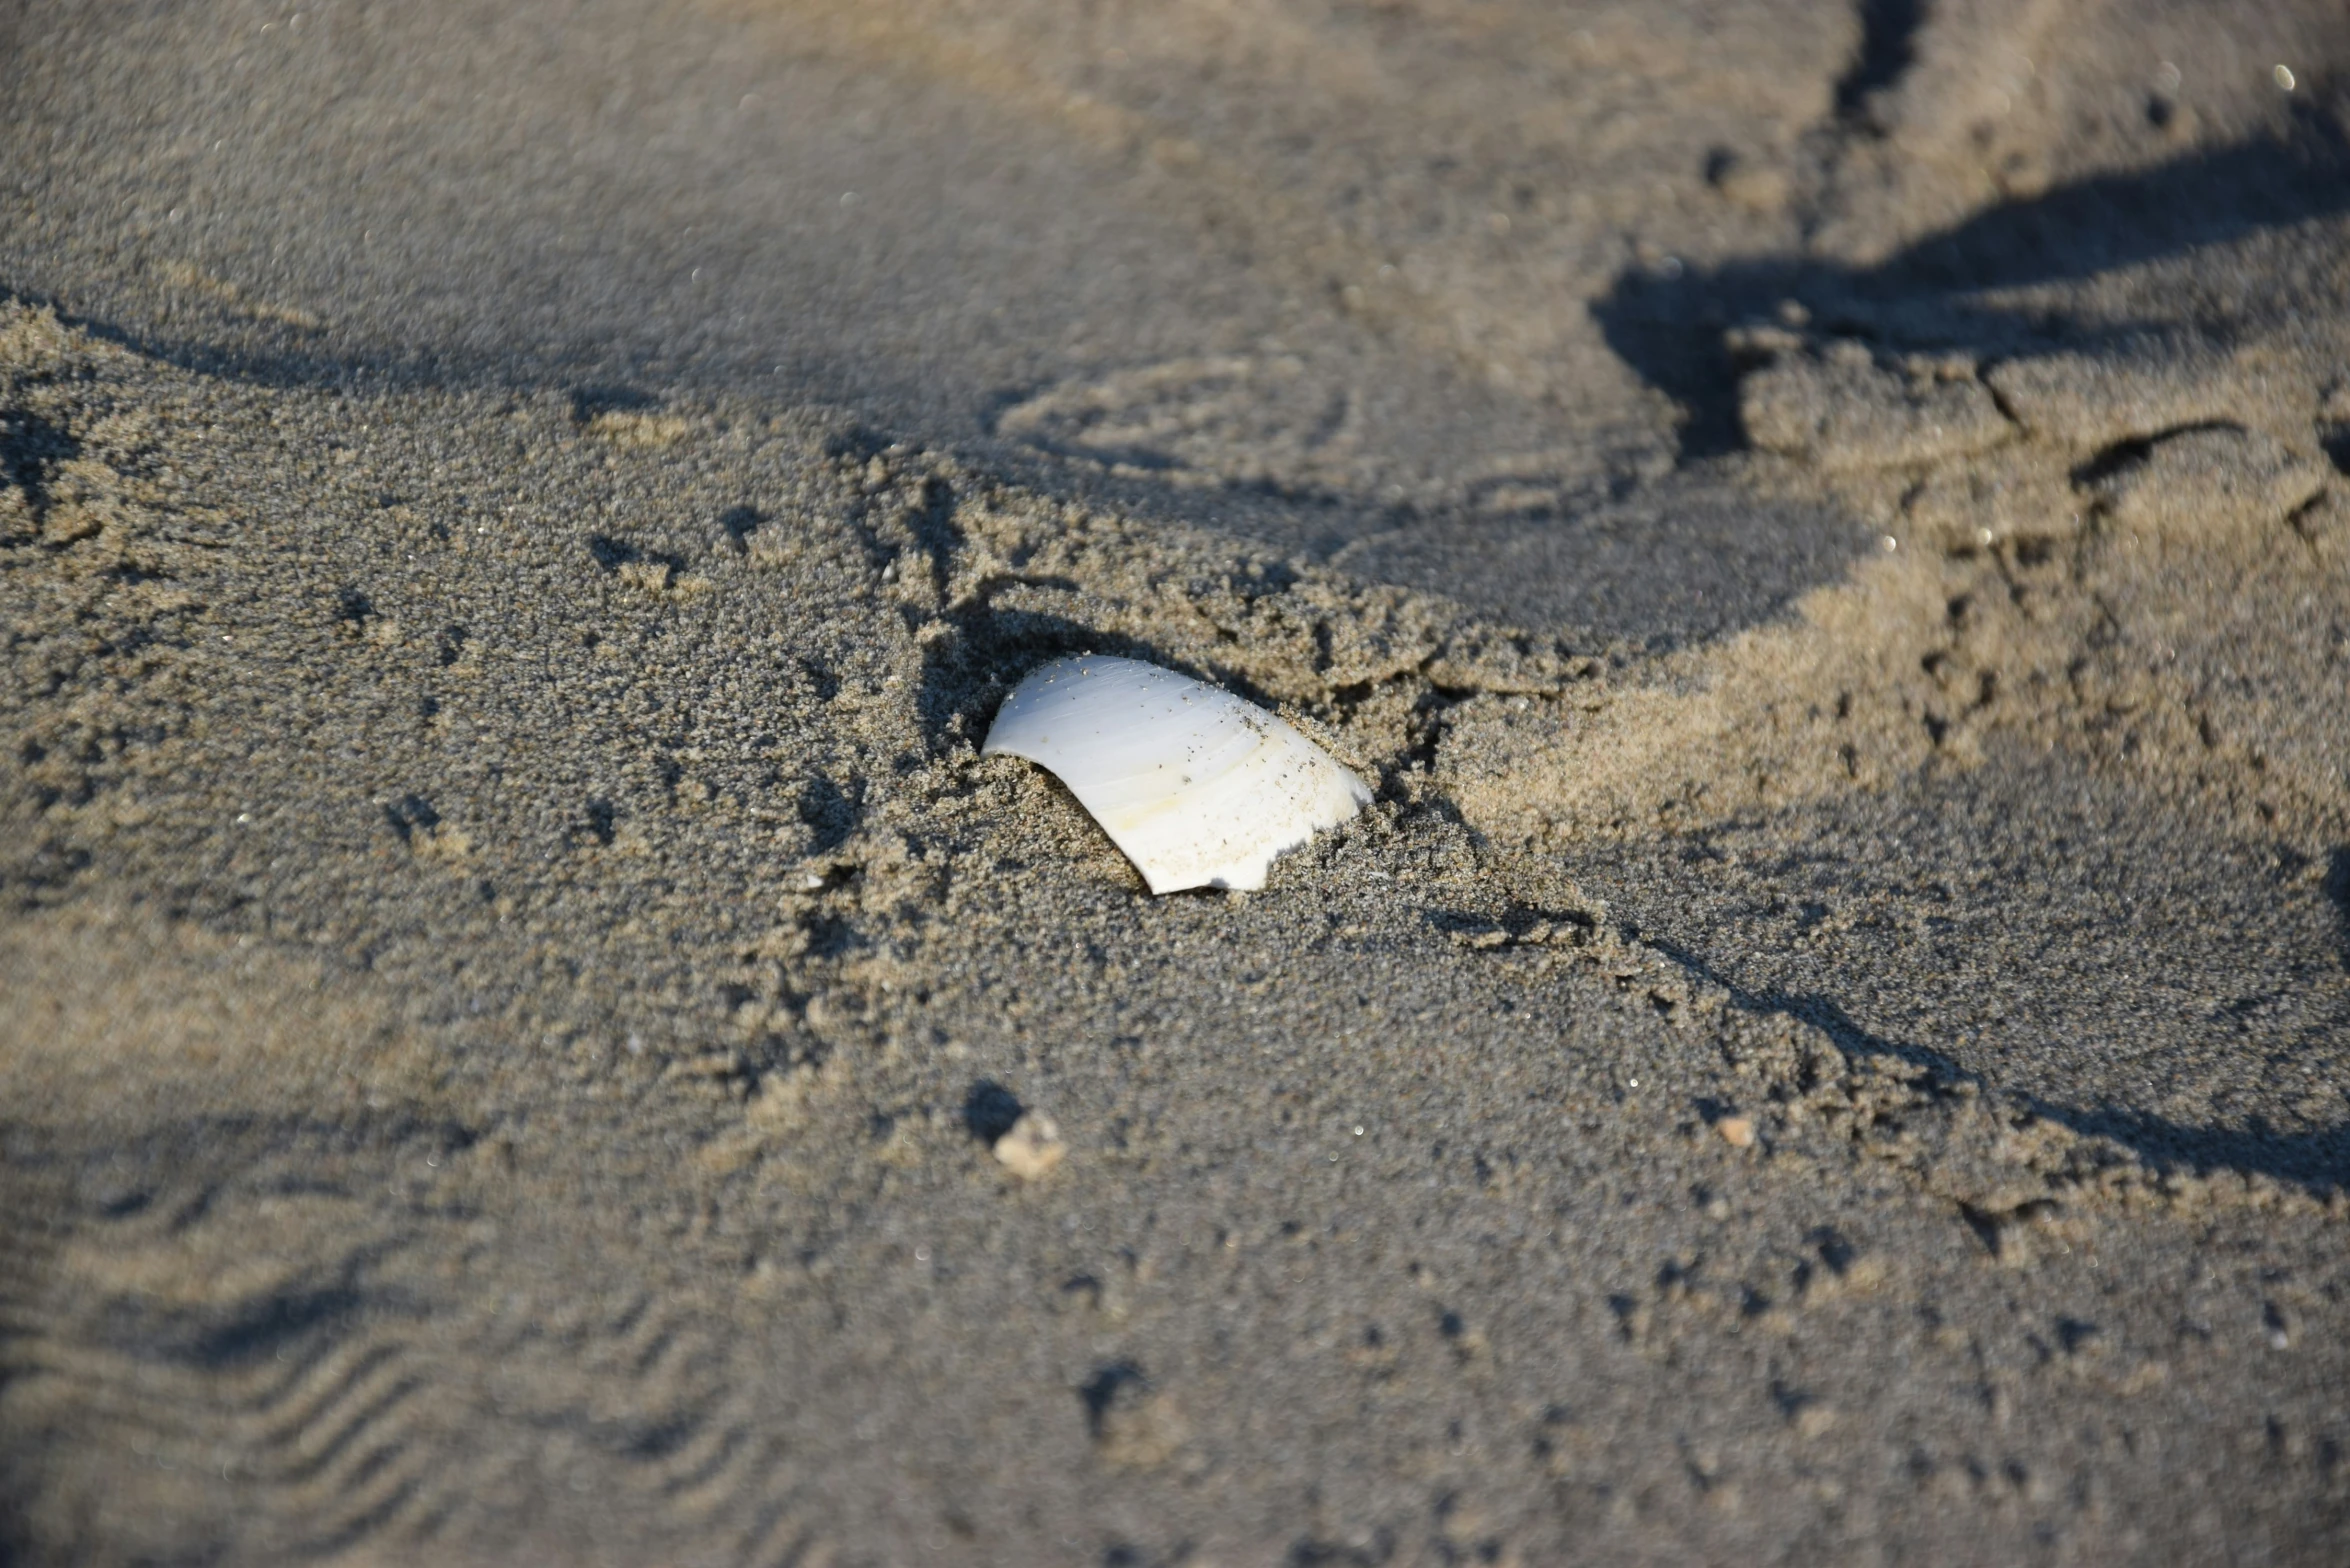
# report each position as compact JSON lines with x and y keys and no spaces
{"x":1669,"y":328}
{"x":2317,"y":1160}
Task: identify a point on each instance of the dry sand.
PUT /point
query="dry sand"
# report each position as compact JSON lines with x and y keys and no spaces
{"x":1826,"y":526}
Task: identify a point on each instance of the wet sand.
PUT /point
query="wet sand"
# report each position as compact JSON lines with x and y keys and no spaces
{"x":1828,"y":531}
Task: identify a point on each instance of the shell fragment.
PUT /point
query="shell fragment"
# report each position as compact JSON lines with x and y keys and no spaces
{"x":1196,"y":786}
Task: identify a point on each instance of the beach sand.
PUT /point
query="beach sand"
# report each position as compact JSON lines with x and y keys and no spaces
{"x":1826,"y":527}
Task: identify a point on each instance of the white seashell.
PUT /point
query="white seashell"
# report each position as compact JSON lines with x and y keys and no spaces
{"x":1199,"y":788}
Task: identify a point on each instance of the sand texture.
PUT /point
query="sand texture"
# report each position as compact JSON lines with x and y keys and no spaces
{"x":530,"y":1033}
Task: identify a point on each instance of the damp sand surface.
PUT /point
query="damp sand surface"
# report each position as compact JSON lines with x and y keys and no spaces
{"x":531,"y":1032}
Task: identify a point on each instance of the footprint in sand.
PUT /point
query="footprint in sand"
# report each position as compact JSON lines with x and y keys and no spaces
{"x":1230,"y":419}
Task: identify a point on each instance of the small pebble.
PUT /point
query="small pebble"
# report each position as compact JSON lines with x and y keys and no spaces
{"x":1736,"y":1131}
{"x":1031,"y":1148}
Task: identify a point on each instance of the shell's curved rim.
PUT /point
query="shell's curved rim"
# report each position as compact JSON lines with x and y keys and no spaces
{"x":1196,"y":785}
